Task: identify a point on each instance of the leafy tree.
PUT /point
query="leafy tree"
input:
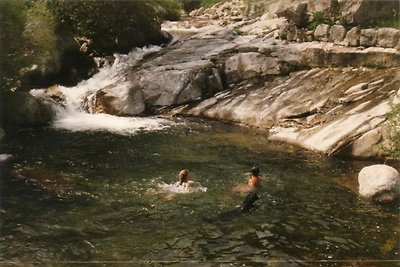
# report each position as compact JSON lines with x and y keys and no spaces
{"x":27,"y":40}
{"x":167,"y":9}
{"x":113,"y":25}
{"x":210,"y":3}
{"x":189,"y":5}
{"x":39,"y":33}
{"x":393,"y":119}
{"x":13,"y":17}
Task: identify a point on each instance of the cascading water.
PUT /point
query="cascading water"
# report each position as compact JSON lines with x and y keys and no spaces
{"x":72,"y":116}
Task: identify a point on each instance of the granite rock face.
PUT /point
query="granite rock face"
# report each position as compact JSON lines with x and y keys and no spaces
{"x":379,"y":182}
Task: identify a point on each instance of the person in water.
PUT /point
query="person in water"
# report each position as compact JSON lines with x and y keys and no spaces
{"x":183,"y":178}
{"x":254,"y":180}
{"x":253,"y":183}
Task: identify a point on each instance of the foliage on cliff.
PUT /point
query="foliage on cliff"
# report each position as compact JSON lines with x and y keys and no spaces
{"x":27,"y":39}
{"x":189,"y":5}
{"x":115,"y":25}
{"x":393,"y":119}
{"x":13,"y":17}
{"x":33,"y":31}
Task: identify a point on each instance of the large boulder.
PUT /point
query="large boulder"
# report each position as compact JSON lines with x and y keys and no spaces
{"x":250,"y":65}
{"x":321,"y":33}
{"x":379,"y":182}
{"x":353,"y":37}
{"x":256,"y":8}
{"x":295,"y":13}
{"x":337,"y":34}
{"x":179,"y":84}
{"x":388,"y":37}
{"x":120,"y":99}
{"x":368,"y":37}
{"x":368,"y":144}
{"x":367,"y":12}
{"x":329,"y":8}
{"x":23,"y":109}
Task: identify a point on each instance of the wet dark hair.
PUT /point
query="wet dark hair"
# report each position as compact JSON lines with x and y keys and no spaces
{"x":182,"y":176}
{"x":255,"y":171}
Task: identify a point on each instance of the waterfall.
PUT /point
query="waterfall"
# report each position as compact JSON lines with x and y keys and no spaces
{"x":71,"y":116}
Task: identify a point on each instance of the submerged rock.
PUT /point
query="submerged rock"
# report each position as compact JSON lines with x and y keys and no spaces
{"x":379,"y":182}
{"x":4,"y":158}
{"x":23,"y":109}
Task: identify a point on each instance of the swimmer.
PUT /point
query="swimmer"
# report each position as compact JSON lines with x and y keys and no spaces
{"x":183,"y":178}
{"x":255,"y":180}
{"x":253,"y":183}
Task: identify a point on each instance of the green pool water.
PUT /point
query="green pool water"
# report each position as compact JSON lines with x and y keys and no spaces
{"x":94,"y":197}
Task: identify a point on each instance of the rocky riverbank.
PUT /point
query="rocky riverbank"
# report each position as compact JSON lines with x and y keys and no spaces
{"x":321,"y":94}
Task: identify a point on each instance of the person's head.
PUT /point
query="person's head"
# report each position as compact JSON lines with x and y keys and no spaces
{"x":183,"y":176}
{"x":255,"y":171}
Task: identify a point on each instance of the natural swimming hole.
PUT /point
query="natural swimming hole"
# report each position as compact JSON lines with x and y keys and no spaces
{"x":82,"y":197}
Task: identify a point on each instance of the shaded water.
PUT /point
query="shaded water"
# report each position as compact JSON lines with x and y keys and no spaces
{"x":79,"y":197}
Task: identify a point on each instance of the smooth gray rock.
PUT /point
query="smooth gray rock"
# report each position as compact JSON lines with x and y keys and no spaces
{"x":353,"y":37}
{"x":368,"y":37}
{"x":388,"y":37}
{"x":379,"y":182}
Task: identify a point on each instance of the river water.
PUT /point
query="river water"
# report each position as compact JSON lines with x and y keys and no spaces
{"x":94,"y":188}
{"x":76,"y":197}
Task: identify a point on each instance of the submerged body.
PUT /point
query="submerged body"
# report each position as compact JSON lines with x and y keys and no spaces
{"x":253,"y":184}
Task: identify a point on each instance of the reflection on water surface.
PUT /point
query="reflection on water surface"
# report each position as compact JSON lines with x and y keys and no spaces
{"x":84,"y":196}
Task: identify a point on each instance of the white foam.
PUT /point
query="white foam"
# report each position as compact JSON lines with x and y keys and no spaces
{"x":174,"y":188}
{"x":72,"y":117}
{"x":105,"y":122}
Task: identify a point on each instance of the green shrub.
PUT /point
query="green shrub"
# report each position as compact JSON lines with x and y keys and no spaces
{"x":189,"y":5}
{"x":109,"y":23}
{"x":27,"y":38}
{"x":393,"y":119}
{"x":390,"y":23}
{"x":319,"y":18}
{"x":167,"y":9}
{"x":39,"y":33}
{"x":210,"y":3}
{"x":13,"y":18}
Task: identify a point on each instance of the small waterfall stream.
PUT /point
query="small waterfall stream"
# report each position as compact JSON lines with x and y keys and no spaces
{"x":73,"y":117}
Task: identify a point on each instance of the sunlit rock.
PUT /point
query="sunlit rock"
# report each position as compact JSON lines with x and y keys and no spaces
{"x":388,"y":37}
{"x":368,"y":37}
{"x":283,"y":29}
{"x":352,"y":37}
{"x":177,"y":84}
{"x":321,"y":33}
{"x":23,"y":109}
{"x":250,"y":65}
{"x":119,"y":99}
{"x":379,"y":182}
{"x":368,"y":144}
{"x":4,"y":158}
{"x":345,"y":108}
{"x":327,"y":7}
{"x":337,"y":33}
{"x":366,"y":12}
{"x":55,"y":93}
{"x":296,"y":13}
